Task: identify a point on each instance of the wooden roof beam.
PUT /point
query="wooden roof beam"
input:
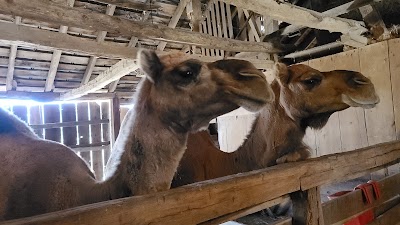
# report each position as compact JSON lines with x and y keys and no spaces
{"x":87,"y":19}
{"x":55,"y":59}
{"x":300,"y":16}
{"x":93,"y":59}
{"x":130,"y":4}
{"x":33,"y":37}
{"x":11,"y":61}
{"x":174,"y":21}
{"x":113,"y":73}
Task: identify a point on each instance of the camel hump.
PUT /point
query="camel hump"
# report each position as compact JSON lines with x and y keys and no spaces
{"x":9,"y":123}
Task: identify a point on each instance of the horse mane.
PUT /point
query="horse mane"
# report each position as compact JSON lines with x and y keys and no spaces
{"x":11,"y":124}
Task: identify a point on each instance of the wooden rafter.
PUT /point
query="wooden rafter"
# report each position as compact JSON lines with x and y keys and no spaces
{"x":337,"y":11}
{"x":132,"y":43}
{"x":174,"y":21}
{"x":113,"y":73}
{"x":93,"y":59}
{"x":296,"y":15}
{"x":130,"y":4}
{"x":11,"y":61}
{"x":36,"y":38}
{"x":83,"y":18}
{"x":55,"y":59}
{"x":33,"y":37}
{"x":252,"y":25}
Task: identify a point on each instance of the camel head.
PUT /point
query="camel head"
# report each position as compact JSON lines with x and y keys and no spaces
{"x":312,"y":96}
{"x":189,"y":93}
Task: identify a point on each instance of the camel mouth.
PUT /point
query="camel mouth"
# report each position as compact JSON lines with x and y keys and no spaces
{"x":363,"y":103}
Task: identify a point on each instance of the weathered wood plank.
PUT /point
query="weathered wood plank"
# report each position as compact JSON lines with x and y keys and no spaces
{"x":389,"y":217}
{"x":57,"y":14}
{"x":32,"y":37}
{"x":113,"y":73}
{"x":83,"y":130}
{"x":174,"y":21}
{"x":245,"y":212}
{"x":353,"y":133}
{"x":68,"y":114}
{"x":96,"y":137}
{"x":69,"y":123}
{"x":307,"y":209}
{"x":203,"y":201}
{"x":11,"y":61}
{"x":379,"y":120}
{"x":36,"y":118}
{"x":106,"y":127}
{"x":341,"y":209}
{"x":52,"y":115}
{"x":93,"y":59}
{"x":296,"y":15}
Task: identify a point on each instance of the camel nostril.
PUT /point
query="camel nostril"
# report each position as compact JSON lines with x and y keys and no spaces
{"x":361,"y":81}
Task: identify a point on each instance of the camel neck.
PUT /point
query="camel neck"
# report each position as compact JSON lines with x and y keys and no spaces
{"x":274,"y":133}
{"x":145,"y":155}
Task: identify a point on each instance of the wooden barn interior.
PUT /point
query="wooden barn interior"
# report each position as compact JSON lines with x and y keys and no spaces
{"x":68,"y":68}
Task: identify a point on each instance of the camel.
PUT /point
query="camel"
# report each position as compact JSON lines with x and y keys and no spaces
{"x":304,"y":97}
{"x":178,"y":96}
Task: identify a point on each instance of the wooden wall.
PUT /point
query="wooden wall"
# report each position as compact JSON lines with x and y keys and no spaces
{"x":83,"y":126}
{"x":354,"y":127}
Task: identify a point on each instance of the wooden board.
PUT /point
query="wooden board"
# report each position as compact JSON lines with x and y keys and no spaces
{"x":343,"y":208}
{"x":328,"y":138}
{"x":106,"y":128}
{"x":68,"y":114}
{"x":36,"y":118}
{"x":52,"y":115}
{"x":353,"y":133}
{"x":83,"y":131}
{"x":200,"y":202}
{"x":96,"y":137}
{"x":379,"y":120}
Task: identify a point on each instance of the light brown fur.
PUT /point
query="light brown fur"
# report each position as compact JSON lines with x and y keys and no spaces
{"x":177,"y":97}
{"x":279,"y":128}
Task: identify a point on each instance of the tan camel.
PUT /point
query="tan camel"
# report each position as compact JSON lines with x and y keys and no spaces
{"x":179,"y":96}
{"x":304,"y":97}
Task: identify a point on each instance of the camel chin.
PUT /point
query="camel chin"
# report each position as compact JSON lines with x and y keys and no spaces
{"x":363,"y":103}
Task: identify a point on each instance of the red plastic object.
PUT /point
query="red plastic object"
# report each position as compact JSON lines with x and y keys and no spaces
{"x":367,"y":216}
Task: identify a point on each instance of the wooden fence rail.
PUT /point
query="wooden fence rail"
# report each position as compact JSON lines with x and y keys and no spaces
{"x":204,"y":201}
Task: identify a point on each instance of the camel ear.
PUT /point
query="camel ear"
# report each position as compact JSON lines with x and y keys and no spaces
{"x":282,"y":73}
{"x":150,"y":64}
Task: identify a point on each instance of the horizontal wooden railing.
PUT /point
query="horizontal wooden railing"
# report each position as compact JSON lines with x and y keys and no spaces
{"x":212,"y":200}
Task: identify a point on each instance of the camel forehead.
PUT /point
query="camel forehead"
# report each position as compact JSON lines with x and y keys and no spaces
{"x":174,"y":59}
{"x":300,"y":69}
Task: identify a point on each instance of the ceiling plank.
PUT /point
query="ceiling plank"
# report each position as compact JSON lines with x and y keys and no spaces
{"x":11,"y":61}
{"x":113,"y":73}
{"x":33,"y":37}
{"x":84,"y":18}
{"x":130,"y":4}
{"x":174,"y":21}
{"x":55,"y":59}
{"x":100,"y":38}
{"x":296,"y":15}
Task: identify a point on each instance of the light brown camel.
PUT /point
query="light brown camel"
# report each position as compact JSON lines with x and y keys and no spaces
{"x":179,"y":96}
{"x":304,"y":97}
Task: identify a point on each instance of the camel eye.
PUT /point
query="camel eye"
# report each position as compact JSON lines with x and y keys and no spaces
{"x":189,"y":73}
{"x":312,"y":82}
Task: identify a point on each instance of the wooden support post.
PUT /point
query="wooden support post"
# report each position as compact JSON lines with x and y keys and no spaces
{"x":116,"y":117}
{"x":307,"y":208}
